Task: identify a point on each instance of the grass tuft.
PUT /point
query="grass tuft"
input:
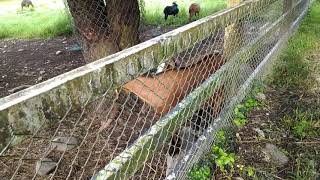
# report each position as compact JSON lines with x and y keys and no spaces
{"x":292,"y":71}
{"x":31,"y":24}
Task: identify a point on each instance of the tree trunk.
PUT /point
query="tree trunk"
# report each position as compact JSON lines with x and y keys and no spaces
{"x":105,"y":26}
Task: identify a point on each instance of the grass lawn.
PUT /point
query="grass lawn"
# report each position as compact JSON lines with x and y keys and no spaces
{"x":153,"y":14}
{"x":49,"y":18}
{"x":293,"y":71}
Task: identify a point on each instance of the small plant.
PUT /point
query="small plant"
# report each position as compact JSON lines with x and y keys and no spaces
{"x":305,"y":169}
{"x":301,"y":124}
{"x":240,"y":119}
{"x":299,"y":128}
{"x":250,"y":103}
{"x":242,"y":109}
{"x":200,"y":173}
{"x":250,"y":171}
{"x":246,"y":171}
{"x":221,"y":138}
{"x":223,"y":159}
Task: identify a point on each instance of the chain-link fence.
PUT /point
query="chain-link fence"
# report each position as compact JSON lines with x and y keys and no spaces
{"x":150,"y":111}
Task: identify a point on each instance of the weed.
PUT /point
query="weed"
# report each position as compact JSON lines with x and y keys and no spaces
{"x":223,"y":160}
{"x":221,"y":138}
{"x":250,"y":171}
{"x":301,"y":124}
{"x":305,"y":169}
{"x":200,"y":173}
{"x":242,"y":109}
{"x":299,"y":129}
{"x":292,"y":71}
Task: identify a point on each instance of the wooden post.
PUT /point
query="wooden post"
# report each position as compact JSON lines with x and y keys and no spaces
{"x":232,"y":34}
{"x":232,"y":43}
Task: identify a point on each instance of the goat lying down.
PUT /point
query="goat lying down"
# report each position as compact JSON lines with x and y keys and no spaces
{"x":183,"y":140}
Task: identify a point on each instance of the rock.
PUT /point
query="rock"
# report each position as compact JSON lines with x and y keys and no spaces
{"x":267,"y":114}
{"x":4,"y":51}
{"x":64,"y":143}
{"x":58,"y":52}
{"x":216,"y":52}
{"x":19,"y":88}
{"x":75,"y":48}
{"x":5,"y":46}
{"x":260,"y":96}
{"x":42,"y":72}
{"x":275,"y":155}
{"x":45,"y":166}
{"x":260,"y":132}
{"x":238,"y":136}
{"x":64,"y":42}
{"x":238,"y":178}
{"x":47,"y":62}
{"x":40,"y":78}
{"x":20,"y":50}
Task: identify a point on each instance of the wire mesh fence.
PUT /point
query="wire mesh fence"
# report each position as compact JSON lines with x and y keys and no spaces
{"x":161,"y":103}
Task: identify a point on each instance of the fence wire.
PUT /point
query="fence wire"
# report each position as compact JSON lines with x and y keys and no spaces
{"x":161,"y":123}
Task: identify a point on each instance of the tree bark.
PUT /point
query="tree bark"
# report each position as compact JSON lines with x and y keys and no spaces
{"x":105,"y":26}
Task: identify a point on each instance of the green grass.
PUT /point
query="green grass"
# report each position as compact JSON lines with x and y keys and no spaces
{"x":296,"y":74}
{"x":47,"y":19}
{"x":293,"y":71}
{"x":35,"y":24}
{"x":153,"y":12}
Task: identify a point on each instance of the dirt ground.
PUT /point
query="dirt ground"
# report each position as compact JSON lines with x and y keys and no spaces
{"x":24,"y":63}
{"x":97,"y":141}
{"x":27,"y":62}
{"x":274,"y":121}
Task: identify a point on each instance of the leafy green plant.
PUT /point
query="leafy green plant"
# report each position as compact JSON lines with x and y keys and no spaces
{"x":300,"y":127}
{"x":200,"y":173}
{"x":250,"y":103}
{"x":240,"y":119}
{"x":240,"y":122}
{"x":250,"y":171}
{"x":223,"y":159}
{"x":301,"y":124}
{"x":242,"y":109}
{"x":221,"y":138}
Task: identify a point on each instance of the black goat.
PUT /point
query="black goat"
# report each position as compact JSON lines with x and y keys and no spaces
{"x":186,"y":136}
{"x":171,"y":10}
{"x":26,"y":3}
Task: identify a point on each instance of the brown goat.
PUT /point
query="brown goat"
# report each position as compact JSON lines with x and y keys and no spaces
{"x":169,"y":88}
{"x":194,"y":10}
